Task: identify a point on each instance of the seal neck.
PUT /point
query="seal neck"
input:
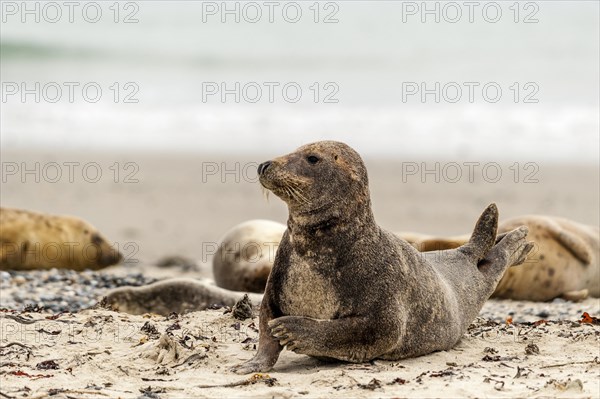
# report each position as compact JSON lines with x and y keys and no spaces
{"x":338,"y":223}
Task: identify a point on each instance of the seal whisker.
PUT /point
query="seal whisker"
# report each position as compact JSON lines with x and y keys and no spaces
{"x":288,"y":192}
{"x":294,"y":186}
{"x":299,"y":196}
{"x":265,"y":193}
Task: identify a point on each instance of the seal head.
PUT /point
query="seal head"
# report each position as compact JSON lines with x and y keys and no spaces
{"x":325,"y":186}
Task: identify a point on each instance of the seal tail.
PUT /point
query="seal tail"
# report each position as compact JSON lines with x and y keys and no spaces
{"x":484,"y":235}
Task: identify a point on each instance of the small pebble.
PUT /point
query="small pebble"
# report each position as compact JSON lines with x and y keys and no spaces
{"x":19,"y":280}
{"x":543,"y":314}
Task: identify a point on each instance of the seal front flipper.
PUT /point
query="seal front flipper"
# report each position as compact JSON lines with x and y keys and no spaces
{"x":351,"y":339}
{"x":484,"y":235}
{"x":575,"y":296}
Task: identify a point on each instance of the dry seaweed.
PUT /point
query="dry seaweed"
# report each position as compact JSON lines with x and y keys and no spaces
{"x":372,"y":385}
{"x":242,"y":309}
{"x":254,"y":379}
{"x":47,"y":365}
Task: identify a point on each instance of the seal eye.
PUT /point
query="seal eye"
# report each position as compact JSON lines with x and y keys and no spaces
{"x":312,"y":159}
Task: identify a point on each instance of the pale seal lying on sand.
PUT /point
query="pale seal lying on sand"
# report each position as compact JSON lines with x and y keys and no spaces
{"x":242,"y":263}
{"x":565,"y":261}
{"x":31,"y":240}
{"x":343,"y":288}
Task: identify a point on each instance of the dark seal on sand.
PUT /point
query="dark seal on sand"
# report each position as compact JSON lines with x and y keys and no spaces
{"x":343,"y":288}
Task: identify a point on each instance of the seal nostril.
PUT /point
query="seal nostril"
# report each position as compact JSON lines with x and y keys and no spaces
{"x":263,"y":167}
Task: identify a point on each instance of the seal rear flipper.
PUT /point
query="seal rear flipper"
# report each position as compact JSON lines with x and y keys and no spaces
{"x":512,"y":250}
{"x":574,"y":244}
{"x":484,"y":235}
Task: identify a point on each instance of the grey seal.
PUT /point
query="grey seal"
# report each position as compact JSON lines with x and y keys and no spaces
{"x":343,"y":288}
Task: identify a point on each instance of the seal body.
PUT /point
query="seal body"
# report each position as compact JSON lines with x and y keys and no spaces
{"x":246,"y":254}
{"x":31,"y":240}
{"x":343,"y":288}
{"x":179,"y":295}
{"x":565,"y":260}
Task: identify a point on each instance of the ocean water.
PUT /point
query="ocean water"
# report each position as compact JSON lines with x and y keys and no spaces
{"x":485,"y":80}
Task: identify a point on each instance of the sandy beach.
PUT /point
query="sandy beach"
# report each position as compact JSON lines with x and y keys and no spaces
{"x":182,"y":204}
{"x":99,"y":353}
